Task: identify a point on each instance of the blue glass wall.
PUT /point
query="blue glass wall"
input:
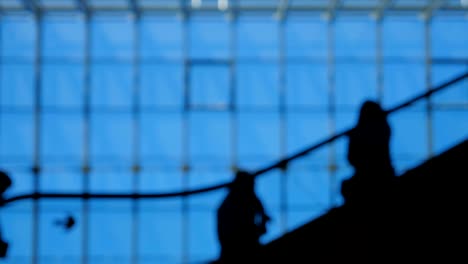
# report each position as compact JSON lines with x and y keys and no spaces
{"x":115,"y":103}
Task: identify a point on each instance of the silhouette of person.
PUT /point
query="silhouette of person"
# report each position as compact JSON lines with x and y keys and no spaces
{"x":5,"y":183}
{"x":241,"y":220}
{"x":369,"y":154}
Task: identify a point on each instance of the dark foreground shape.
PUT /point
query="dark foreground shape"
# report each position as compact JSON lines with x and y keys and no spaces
{"x":422,"y":219}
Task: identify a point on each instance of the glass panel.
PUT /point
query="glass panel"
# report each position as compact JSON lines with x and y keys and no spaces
{"x":355,"y":83}
{"x":18,"y":37}
{"x":155,"y":42}
{"x":257,"y":37}
{"x":62,"y":85}
{"x":162,"y":85}
{"x":111,"y":85}
{"x":455,"y":95}
{"x":307,"y":85}
{"x":210,"y":138}
{"x":62,"y":138}
{"x":55,"y":242}
{"x":160,"y":237}
{"x":111,"y":36}
{"x":107,"y":146}
{"x":306,"y":36}
{"x":209,"y":37}
{"x":403,"y":37}
{"x":448,"y":36}
{"x":17,"y":85}
{"x":355,"y":37}
{"x":161,"y":139}
{"x":210,"y":86}
{"x":63,"y":36}
{"x":17,"y":140}
{"x":258,"y":137}
{"x":257,"y":85}
{"x":402,"y":82}
{"x":110,"y":229}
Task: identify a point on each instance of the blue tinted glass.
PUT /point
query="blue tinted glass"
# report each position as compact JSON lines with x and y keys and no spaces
{"x":63,"y":36}
{"x":62,"y":85}
{"x":258,"y":136}
{"x":403,"y":37}
{"x":210,"y":138}
{"x":17,"y":85}
{"x":162,"y":85}
{"x":108,"y":181}
{"x":448,"y":36}
{"x":257,"y":85}
{"x":355,"y":84}
{"x":307,"y":85}
{"x":155,"y":42}
{"x":110,"y":234}
{"x":409,"y":141}
{"x":160,"y":237}
{"x":355,"y":37}
{"x":161,"y":138}
{"x":107,"y":145}
{"x":308,"y":188}
{"x":61,"y":181}
{"x":111,"y":85}
{"x":257,"y":37}
{"x":199,"y":178}
{"x":450,"y":128}
{"x":54,"y":240}
{"x":59,"y":130}
{"x":209,"y":37}
{"x":17,"y":230}
{"x":455,"y":94}
{"x":17,"y":140}
{"x":210,"y":86}
{"x":402,"y":82}
{"x":18,"y":36}
{"x":305,"y":129}
{"x":112,"y":36}
{"x":203,"y":242}
{"x":306,"y":37}
{"x":163,"y":180}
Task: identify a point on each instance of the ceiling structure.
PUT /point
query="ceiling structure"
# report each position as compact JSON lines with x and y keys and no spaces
{"x":376,"y":7}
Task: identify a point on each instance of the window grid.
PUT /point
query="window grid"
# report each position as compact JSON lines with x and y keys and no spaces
{"x":136,"y":110}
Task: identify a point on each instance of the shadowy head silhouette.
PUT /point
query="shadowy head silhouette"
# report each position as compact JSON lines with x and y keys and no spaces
{"x":243,"y":181}
{"x":371,"y":112}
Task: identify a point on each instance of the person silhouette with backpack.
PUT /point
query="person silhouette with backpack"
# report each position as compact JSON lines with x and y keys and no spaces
{"x":241,"y":221}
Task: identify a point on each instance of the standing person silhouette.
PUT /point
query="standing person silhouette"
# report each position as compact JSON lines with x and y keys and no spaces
{"x":369,"y":154}
{"x":5,"y":183}
{"x":241,"y":221}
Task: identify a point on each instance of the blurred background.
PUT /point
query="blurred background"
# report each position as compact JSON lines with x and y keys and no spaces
{"x":168,"y":95}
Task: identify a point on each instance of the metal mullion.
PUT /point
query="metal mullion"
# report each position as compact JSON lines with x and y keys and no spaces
{"x":232,"y":16}
{"x":86,"y":134}
{"x":185,"y":136}
{"x":37,"y":134}
{"x":282,"y":112}
{"x":331,"y":103}
{"x":136,"y":133}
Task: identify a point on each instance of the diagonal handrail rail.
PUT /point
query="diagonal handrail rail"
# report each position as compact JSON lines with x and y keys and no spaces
{"x":279,"y":164}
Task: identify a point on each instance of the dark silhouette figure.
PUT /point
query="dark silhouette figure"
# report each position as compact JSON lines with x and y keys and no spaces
{"x":369,"y":154}
{"x":241,"y":221}
{"x":5,"y":183}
